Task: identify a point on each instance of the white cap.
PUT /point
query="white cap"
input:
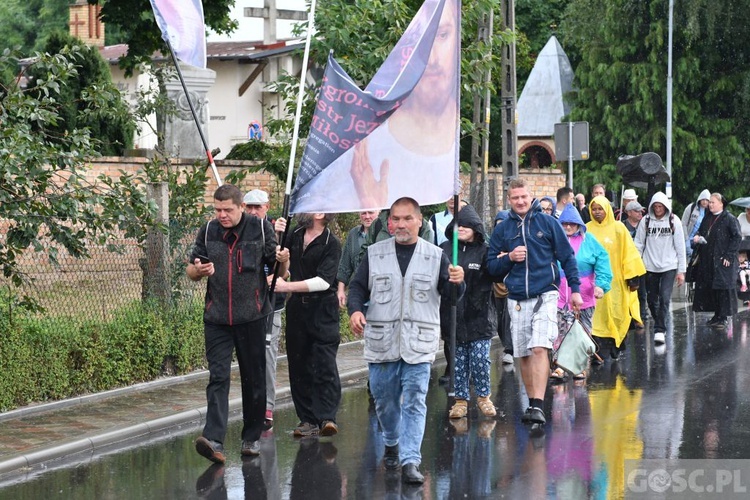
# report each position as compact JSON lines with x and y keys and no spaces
{"x":629,"y":194}
{"x":255,"y":197}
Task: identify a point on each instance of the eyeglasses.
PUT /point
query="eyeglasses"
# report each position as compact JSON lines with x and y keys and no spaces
{"x":548,"y":210}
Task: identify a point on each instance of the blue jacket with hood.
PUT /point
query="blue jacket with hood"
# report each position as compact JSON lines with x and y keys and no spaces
{"x":546,"y":244}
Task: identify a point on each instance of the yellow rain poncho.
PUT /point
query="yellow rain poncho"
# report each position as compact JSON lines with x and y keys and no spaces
{"x":614,"y":311}
{"x":614,"y":419}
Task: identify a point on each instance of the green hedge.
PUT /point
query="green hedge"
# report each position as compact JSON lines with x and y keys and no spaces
{"x":44,"y":359}
{"x":47,"y":358}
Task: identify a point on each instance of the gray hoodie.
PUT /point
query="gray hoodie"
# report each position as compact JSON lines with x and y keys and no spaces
{"x":663,"y":248}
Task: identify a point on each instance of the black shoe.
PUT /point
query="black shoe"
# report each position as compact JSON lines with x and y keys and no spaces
{"x":533,"y":416}
{"x":329,"y":428}
{"x":250,"y":448}
{"x":390,"y":458}
{"x":720,"y":323}
{"x":410,"y":474}
{"x":212,"y":450}
{"x":712,"y":321}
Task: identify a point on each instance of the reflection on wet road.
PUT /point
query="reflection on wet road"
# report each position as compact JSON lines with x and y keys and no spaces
{"x":682,"y":401}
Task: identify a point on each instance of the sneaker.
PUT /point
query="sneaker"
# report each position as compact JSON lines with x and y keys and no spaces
{"x":306,"y":429}
{"x":329,"y":428}
{"x":268,"y":422}
{"x":507,"y":358}
{"x":212,"y":450}
{"x":250,"y":448}
{"x":720,"y":323}
{"x":659,"y":337}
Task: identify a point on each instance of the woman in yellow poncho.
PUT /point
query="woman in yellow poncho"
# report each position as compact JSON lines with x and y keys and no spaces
{"x":615,"y":310}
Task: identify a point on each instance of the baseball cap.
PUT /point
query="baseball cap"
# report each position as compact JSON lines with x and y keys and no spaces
{"x":255,"y":197}
{"x":633,"y":205}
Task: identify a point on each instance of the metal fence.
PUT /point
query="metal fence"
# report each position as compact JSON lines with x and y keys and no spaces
{"x":93,"y":288}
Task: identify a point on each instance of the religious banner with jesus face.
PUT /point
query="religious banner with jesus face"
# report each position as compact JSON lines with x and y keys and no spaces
{"x":397,"y":137}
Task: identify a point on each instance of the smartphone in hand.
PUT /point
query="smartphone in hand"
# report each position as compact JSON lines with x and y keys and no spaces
{"x":203,"y":259}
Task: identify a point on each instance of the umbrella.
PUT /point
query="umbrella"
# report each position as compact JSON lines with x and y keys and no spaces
{"x":642,"y":171}
{"x":741,"y":202}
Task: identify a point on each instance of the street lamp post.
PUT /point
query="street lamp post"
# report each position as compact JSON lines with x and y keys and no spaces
{"x":669,"y":93}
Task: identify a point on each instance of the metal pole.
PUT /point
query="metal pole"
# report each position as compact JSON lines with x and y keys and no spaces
{"x":295,"y":136}
{"x":300,"y":96}
{"x":669,"y":92}
{"x":570,"y":155}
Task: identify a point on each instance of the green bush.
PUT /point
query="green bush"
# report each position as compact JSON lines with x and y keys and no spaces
{"x":43,"y":358}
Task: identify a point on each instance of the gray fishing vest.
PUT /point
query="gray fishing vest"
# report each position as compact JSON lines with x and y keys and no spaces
{"x":403,"y":318}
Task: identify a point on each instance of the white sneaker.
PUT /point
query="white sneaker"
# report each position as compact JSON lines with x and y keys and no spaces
{"x":507,"y":358}
{"x":659,"y":337}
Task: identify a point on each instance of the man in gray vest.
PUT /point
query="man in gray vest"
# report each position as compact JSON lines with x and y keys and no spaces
{"x":402,"y":330}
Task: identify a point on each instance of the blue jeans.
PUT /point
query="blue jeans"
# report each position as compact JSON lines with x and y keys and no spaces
{"x":659,"y":291}
{"x":402,"y":423}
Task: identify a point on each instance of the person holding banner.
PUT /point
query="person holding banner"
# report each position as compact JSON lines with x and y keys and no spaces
{"x":312,"y":323}
{"x":256,"y":203}
{"x":399,"y":133}
{"x":404,"y":278}
{"x":231,"y":251}
{"x":524,"y":252}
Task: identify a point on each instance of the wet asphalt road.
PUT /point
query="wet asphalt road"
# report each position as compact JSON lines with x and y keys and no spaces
{"x":688,"y":400}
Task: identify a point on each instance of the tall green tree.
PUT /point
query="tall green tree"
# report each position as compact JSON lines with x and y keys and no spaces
{"x":134,"y":22}
{"x":45,"y":197}
{"x":24,"y":24}
{"x":113,"y":133}
{"x":621,"y":81}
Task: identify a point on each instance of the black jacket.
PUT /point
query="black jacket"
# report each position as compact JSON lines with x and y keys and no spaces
{"x":476,"y":318}
{"x":723,"y":238}
{"x":237,"y":292}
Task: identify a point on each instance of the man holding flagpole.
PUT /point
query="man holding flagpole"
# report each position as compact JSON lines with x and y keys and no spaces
{"x":403,"y":278}
{"x":400,"y":132}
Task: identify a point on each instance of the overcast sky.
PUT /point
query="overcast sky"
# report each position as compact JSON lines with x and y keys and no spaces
{"x":251,"y":29}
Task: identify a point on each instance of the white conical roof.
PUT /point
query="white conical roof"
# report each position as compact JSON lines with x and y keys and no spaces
{"x":542,"y":103}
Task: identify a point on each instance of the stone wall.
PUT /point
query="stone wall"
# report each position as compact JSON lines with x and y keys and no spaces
{"x":542,"y":181}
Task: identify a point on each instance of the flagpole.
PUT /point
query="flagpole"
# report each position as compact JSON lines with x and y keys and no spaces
{"x":195,"y":115}
{"x":456,"y":207}
{"x":295,"y":136}
{"x":298,"y":113}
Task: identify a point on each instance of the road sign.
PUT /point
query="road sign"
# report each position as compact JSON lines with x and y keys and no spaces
{"x":580,"y":141}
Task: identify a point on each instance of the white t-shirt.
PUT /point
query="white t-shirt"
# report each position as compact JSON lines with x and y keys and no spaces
{"x":427,"y":179}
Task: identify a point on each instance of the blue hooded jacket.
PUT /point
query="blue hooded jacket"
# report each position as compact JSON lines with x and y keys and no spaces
{"x":546,"y":244}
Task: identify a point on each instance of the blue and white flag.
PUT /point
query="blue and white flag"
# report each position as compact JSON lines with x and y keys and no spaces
{"x":182,"y":25}
{"x":399,"y":136}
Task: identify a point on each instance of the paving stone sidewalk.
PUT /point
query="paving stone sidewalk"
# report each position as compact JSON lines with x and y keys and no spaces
{"x":39,"y":433}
